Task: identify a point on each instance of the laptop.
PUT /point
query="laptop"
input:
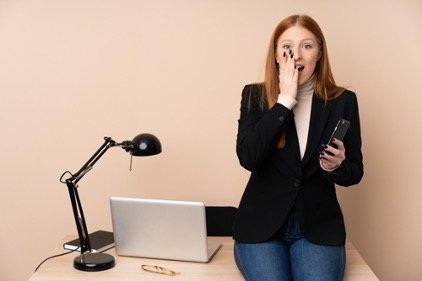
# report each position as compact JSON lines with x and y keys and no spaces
{"x":161,"y":229}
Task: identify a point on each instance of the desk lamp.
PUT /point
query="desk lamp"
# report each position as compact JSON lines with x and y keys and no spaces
{"x":141,"y":145}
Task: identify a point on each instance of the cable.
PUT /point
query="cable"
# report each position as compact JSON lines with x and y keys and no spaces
{"x":55,"y":256}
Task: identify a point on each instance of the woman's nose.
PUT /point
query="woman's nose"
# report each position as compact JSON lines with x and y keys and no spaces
{"x":296,"y":54}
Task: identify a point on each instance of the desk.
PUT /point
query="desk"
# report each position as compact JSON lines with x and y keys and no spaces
{"x":221,"y":267}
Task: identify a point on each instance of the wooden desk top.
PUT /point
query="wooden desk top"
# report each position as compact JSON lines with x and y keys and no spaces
{"x":221,"y":267}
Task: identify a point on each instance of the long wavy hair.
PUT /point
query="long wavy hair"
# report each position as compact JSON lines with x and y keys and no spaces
{"x":325,"y":87}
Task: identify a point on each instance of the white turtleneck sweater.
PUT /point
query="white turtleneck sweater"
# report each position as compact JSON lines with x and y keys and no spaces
{"x":301,"y":107}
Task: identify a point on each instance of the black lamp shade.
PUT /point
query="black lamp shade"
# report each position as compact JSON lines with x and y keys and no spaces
{"x":146,"y":145}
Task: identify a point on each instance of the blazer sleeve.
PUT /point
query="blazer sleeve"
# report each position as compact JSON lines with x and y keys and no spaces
{"x":259,"y":129}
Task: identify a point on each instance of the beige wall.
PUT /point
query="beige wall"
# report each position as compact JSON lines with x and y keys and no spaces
{"x":72,"y":72}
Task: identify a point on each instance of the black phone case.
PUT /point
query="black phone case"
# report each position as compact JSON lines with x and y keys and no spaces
{"x":340,"y":130}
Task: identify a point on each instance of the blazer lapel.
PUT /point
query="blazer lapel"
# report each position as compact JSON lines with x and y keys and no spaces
{"x":290,"y":151}
{"x":319,"y":117}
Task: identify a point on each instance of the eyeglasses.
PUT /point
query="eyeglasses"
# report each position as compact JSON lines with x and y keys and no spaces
{"x":158,"y":269}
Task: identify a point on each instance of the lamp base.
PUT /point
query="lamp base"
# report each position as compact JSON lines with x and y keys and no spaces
{"x":93,"y":262}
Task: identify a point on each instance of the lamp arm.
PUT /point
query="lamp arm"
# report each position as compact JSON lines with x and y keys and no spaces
{"x":79,"y":217}
{"x":109,"y":142}
{"x":74,"y":195}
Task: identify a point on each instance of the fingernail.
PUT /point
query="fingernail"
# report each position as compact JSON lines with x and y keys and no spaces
{"x":284,"y":54}
{"x":290,"y":51}
{"x":291,"y":56}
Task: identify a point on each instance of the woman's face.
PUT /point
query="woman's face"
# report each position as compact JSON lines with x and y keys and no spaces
{"x":305,"y":48}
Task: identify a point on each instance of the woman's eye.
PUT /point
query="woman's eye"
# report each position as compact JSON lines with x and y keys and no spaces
{"x":286,"y":46}
{"x":307,"y":46}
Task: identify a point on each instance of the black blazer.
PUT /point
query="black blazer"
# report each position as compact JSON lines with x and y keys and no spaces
{"x":281,"y":181}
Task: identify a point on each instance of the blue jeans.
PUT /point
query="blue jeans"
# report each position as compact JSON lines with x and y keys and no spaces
{"x":289,"y":256}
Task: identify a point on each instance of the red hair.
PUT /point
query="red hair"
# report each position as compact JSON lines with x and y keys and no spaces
{"x":325,"y":87}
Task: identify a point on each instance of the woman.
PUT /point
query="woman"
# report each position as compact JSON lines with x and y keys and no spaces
{"x":289,"y":223}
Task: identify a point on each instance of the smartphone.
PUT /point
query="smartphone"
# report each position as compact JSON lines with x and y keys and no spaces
{"x":339,"y":132}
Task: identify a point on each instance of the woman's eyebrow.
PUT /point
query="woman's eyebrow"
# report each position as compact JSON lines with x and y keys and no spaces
{"x":302,"y":40}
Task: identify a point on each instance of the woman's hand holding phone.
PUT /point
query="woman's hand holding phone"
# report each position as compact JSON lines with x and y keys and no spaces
{"x":331,"y":158}
{"x":334,"y":153}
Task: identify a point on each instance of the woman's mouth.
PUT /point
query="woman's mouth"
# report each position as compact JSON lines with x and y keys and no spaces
{"x":300,"y":68}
